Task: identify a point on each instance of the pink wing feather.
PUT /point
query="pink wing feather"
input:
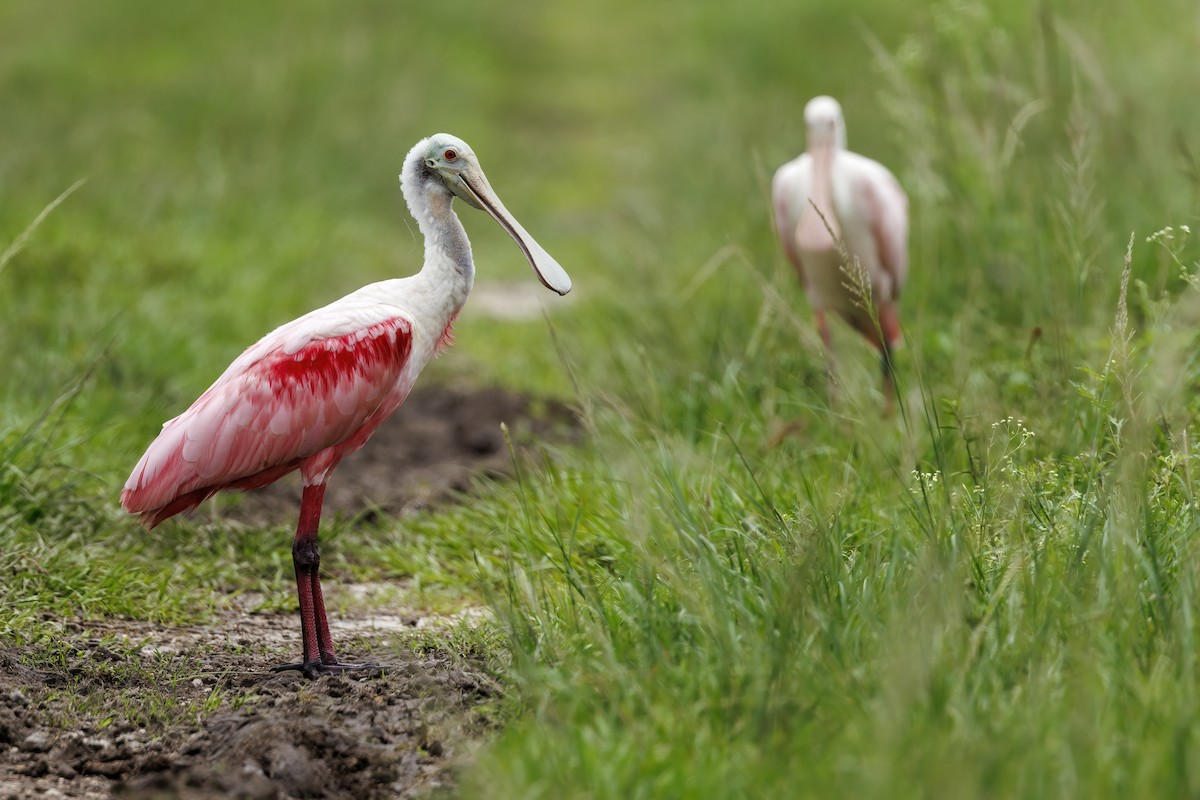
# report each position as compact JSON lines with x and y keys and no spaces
{"x":886,"y":207}
{"x":789,"y":196}
{"x":304,"y":395}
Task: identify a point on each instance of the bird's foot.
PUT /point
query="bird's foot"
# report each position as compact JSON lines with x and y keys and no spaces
{"x":312,"y":669}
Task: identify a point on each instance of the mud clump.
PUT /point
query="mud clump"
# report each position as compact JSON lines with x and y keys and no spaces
{"x":360,"y":735}
{"x":336,"y":737}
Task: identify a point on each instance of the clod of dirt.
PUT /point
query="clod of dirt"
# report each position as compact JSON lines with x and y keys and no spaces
{"x":336,"y":737}
{"x":424,"y":454}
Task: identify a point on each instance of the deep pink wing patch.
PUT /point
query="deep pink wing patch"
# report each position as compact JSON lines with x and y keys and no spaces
{"x":261,"y":422}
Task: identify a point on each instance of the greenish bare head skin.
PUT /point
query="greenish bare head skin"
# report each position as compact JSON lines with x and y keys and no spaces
{"x":455,"y":163}
{"x":450,"y":158}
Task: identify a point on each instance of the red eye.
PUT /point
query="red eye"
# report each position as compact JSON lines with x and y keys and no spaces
{"x":449,"y":154}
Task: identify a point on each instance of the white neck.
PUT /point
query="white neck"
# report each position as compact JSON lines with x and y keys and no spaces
{"x":448,"y":259}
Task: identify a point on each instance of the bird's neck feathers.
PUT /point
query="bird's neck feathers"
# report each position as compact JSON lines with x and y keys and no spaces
{"x":823,"y":154}
{"x":818,"y":228}
{"x":447,"y":249}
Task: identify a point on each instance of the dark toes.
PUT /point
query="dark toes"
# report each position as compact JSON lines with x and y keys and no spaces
{"x":312,"y":669}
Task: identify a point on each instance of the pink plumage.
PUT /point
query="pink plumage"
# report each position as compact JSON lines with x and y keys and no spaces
{"x":830,"y":203}
{"x":315,"y":389}
{"x":276,"y":409}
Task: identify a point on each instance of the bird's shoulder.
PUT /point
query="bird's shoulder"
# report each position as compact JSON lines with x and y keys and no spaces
{"x":868,"y":170}
{"x":343,"y":325}
{"x":798,"y":169}
{"x":790,"y":189}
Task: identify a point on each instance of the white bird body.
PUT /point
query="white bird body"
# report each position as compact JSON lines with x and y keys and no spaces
{"x":858,"y":185}
{"x":314,"y":389}
{"x":828,"y":194}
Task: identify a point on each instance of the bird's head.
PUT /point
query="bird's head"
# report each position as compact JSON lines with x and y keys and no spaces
{"x":824,"y":123}
{"x":451,"y":159}
{"x":454,"y":164}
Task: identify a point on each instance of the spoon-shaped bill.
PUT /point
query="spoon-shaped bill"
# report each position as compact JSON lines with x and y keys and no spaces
{"x":548,"y":271}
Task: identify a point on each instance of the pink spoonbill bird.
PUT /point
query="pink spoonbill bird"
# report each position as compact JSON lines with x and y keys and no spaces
{"x":830,"y":194}
{"x":315,"y":389}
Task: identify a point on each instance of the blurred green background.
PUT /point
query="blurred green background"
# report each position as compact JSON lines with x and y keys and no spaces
{"x":240,"y":166}
{"x":240,"y":163}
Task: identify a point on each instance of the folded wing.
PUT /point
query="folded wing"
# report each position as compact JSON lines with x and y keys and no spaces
{"x":886,"y":208}
{"x":306,"y":387}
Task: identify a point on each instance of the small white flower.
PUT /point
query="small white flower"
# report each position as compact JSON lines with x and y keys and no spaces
{"x":1164,"y":235}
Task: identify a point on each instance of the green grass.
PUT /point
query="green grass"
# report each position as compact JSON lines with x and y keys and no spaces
{"x":991,"y":595}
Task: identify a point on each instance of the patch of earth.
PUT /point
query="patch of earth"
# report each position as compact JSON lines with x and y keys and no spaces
{"x":427,"y":453}
{"x":252,"y":733}
{"x":142,"y":710}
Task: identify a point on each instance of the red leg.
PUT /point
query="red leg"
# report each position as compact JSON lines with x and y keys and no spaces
{"x":314,"y":626}
{"x":315,"y":623}
{"x":883,"y":334}
{"x":889,"y":324}
{"x":307,"y":559}
{"x":324,"y":640}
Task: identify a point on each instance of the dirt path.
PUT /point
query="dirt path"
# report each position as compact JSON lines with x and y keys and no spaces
{"x":142,"y":710}
{"x":249,"y":732}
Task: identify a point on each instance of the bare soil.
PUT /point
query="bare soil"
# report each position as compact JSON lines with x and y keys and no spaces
{"x":89,"y":728}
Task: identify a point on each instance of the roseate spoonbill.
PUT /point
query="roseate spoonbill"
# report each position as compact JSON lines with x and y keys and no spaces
{"x":316,"y":388}
{"x":828,"y":196}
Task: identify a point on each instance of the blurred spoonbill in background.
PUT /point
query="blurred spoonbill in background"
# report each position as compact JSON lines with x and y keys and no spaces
{"x":828,"y":197}
{"x":315,"y":389}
